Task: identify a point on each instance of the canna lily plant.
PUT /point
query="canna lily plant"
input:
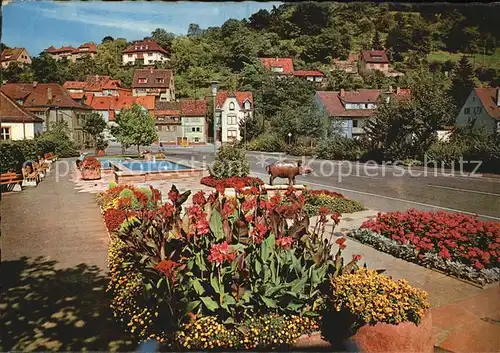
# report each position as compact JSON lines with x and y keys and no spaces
{"x":233,"y":258}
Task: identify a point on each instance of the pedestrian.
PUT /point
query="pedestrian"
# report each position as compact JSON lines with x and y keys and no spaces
{"x":161,"y":147}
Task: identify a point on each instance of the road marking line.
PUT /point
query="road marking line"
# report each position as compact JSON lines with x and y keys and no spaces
{"x":466,"y":190}
{"x":395,"y":199}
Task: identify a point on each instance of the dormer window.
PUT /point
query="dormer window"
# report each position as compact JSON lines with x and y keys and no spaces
{"x":247,"y":105}
{"x":143,"y":80}
{"x":136,"y":47}
{"x":376,"y":57}
{"x":277,"y":69}
{"x":160,"y":80}
{"x":147,"y":46}
{"x":141,"y":47}
{"x":231,"y":106}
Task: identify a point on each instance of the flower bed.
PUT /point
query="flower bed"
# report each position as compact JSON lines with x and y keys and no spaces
{"x":333,"y":201}
{"x":232,"y":182}
{"x":461,"y":245}
{"x":228,"y":273}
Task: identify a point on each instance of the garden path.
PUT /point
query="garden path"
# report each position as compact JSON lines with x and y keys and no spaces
{"x":54,"y":249}
{"x":465,"y":318}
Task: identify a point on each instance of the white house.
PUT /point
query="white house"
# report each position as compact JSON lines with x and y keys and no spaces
{"x":231,"y":108}
{"x":145,"y":52}
{"x":481,"y":109}
{"x":17,"y":123}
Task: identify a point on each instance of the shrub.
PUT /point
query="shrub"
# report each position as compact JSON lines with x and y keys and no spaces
{"x":30,"y":149}
{"x":267,"y":143}
{"x":232,"y":258}
{"x":11,"y":157}
{"x":338,"y":148}
{"x":334,"y":202}
{"x":447,"y":153}
{"x":229,"y":162}
{"x":301,"y":150}
{"x":452,"y":236}
{"x":231,"y":182}
{"x":374,"y":298}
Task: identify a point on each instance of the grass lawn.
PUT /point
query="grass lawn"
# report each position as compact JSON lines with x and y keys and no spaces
{"x":490,"y":61}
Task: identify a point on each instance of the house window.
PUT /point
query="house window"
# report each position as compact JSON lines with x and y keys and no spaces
{"x":355,"y":123}
{"x":310,"y":78}
{"x":231,"y":106}
{"x":193,"y":129}
{"x":129,"y":55}
{"x":318,"y":79}
{"x":467,"y":111}
{"x":277,"y":69}
{"x":231,"y":120}
{"x":160,"y":80}
{"x":198,"y":129}
{"x":231,"y":134}
{"x":478,"y":110}
{"x":196,"y":139}
{"x":5,"y":133}
{"x":247,"y":105}
{"x":143,"y":80}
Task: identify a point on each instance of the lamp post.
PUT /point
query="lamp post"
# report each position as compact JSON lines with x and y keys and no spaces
{"x":214,"y":93}
{"x":289,"y":138}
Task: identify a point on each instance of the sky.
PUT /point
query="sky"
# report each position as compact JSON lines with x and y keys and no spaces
{"x":38,"y":25}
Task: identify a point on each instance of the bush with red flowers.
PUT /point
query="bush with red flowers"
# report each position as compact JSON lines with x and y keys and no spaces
{"x":229,"y":258}
{"x":90,"y":162}
{"x":455,"y":239}
{"x":231,"y":182}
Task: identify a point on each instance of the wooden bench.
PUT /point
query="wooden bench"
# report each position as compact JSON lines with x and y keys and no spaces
{"x":11,"y":178}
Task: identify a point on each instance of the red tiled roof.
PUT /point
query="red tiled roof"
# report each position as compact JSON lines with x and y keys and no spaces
{"x":152,"y":75}
{"x":12,"y":54}
{"x":334,"y":106}
{"x":38,"y":95}
{"x":193,"y":107}
{"x":13,"y":113}
{"x":488,"y":97}
{"x":53,"y":50}
{"x":147,"y":46}
{"x":168,"y":109}
{"x":285,"y":63}
{"x":374,"y":56}
{"x":119,"y":103}
{"x":78,"y":95}
{"x":90,"y":46}
{"x":308,"y":73}
{"x":74,"y":85}
{"x":241,"y":97}
{"x":361,"y":96}
{"x":97,"y":83}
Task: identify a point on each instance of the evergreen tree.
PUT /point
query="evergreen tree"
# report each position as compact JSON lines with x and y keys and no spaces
{"x":377,"y":42}
{"x":462,"y":82}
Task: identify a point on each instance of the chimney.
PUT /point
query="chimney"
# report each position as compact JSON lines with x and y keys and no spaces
{"x":151,"y":69}
{"x":342,"y":92}
{"x":49,"y":94}
{"x":35,"y":84}
{"x":498,"y":96}
{"x":398,"y":90}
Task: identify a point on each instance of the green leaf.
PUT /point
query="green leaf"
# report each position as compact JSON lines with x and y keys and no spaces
{"x":210,"y":303}
{"x":267,"y":247}
{"x":258,"y":267}
{"x":191,"y":306}
{"x":215,"y":283}
{"x":161,"y":280}
{"x":216,"y":225}
{"x":229,"y":320}
{"x":298,"y":285}
{"x":229,"y":299}
{"x":197,"y":287}
{"x":297,"y":307}
{"x":270,"y":303}
{"x":200,"y":262}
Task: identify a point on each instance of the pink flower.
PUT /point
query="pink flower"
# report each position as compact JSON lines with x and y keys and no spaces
{"x":284,"y":242}
{"x":220,"y":253}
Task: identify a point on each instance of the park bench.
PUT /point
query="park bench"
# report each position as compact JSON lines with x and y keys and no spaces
{"x":11,"y":178}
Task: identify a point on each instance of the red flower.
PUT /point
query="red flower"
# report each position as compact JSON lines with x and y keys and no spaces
{"x":341,"y":243}
{"x":356,"y":257}
{"x":259,"y":232}
{"x":284,"y":242}
{"x":219,"y":187}
{"x":228,"y":209}
{"x":336,"y":217}
{"x":220,"y":253}
{"x":199,"y":199}
{"x":173,"y":195}
{"x":167,"y":267}
{"x":323,"y":211}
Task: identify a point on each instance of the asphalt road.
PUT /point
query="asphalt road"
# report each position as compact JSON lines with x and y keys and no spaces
{"x":382,"y":188}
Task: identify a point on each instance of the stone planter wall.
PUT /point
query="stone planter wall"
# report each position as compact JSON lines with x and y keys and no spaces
{"x":91,"y":174}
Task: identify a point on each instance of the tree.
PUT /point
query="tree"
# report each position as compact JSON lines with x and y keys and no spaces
{"x":47,"y":69}
{"x":462,"y":82}
{"x":135,"y":126}
{"x":94,"y":125}
{"x":250,"y":127}
{"x":162,"y":37}
{"x":260,"y":20}
{"x":377,"y":42}
{"x":310,"y":17}
{"x":107,"y":39}
{"x":194,"y":30}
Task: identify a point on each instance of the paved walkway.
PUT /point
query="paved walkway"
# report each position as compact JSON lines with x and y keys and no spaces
{"x":465,"y":318}
{"x":54,"y":249}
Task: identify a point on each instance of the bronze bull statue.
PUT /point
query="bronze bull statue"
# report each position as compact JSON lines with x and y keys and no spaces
{"x":286,"y":169}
